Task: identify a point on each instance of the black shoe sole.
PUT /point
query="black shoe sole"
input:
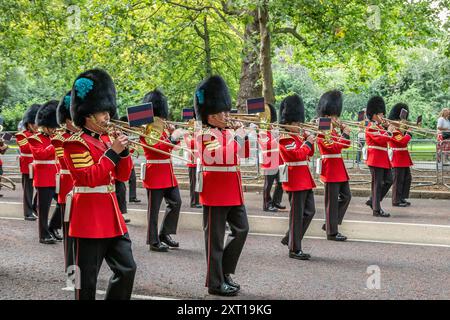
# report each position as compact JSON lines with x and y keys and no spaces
{"x":223,"y":294}
{"x":159,"y":250}
{"x":334,"y":239}
{"x":300,"y":257}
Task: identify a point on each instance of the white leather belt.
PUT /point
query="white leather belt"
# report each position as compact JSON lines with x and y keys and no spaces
{"x":28,"y":155}
{"x":44,"y":162}
{"x":399,"y":149}
{"x":271,"y":150}
{"x":100,"y":189}
{"x":159,"y":161}
{"x":378,"y":148}
{"x":220,"y":169}
{"x":331,"y":156}
{"x":296,"y":164}
{"x":62,"y":171}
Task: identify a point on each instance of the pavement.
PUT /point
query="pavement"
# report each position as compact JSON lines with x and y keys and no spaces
{"x":30,"y":270}
{"x":409,"y":253}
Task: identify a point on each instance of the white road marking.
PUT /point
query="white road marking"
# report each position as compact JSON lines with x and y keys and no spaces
{"x":361,"y":240}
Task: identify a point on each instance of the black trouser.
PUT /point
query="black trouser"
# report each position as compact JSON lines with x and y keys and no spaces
{"x":381,"y":183}
{"x":222,"y":259}
{"x":170,"y":222}
{"x":69,"y":242}
{"x":277,"y":194}
{"x":302,"y":212}
{"x":401,"y":185}
{"x":121,"y":193}
{"x":132,"y":185}
{"x":194,"y":195}
{"x":119,"y":257}
{"x":45,"y":196}
{"x":337,"y":199}
{"x":29,"y":203}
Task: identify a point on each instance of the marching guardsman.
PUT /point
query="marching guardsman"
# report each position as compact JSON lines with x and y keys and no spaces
{"x":220,"y":185}
{"x":296,"y":148}
{"x":271,"y":159}
{"x":96,"y":223}
{"x":377,"y":138}
{"x":159,"y":178}
{"x":401,"y":159}
{"x":64,"y":181}
{"x":333,"y":172}
{"x":44,"y":172}
{"x":25,"y":162}
{"x":192,"y":167}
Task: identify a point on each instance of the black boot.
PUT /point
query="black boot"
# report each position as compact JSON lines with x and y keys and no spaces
{"x":55,"y":234}
{"x":167,"y":239}
{"x":381,"y":213}
{"x":159,"y":247}
{"x":299,"y":255}
{"x":224,"y":290}
{"x":230,"y":281}
{"x":337,"y":237}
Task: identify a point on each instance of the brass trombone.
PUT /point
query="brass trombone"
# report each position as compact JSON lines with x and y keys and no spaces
{"x":114,"y":125}
{"x":151,"y":132}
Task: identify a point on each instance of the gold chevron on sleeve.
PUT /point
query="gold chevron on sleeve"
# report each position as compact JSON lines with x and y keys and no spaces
{"x":83,"y":165}
{"x":80,"y":155}
{"x":22,"y":142}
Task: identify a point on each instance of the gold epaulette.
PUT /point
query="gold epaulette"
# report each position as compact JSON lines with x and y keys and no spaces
{"x":58,"y":137}
{"x":35,"y":137}
{"x":285,"y":136}
{"x":76,"y":137}
{"x":21,"y":133}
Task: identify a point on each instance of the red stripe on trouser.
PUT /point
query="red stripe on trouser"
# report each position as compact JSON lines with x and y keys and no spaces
{"x":291,"y":242}
{"x":327,"y":211}
{"x":39,"y":216}
{"x":209,"y":247}
{"x":149,"y":215}
{"x":77,"y":290}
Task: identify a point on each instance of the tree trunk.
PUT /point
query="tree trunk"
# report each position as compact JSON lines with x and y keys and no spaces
{"x":249,"y":83}
{"x":265,"y":57}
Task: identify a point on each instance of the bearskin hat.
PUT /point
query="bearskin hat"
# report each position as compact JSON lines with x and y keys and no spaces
{"x":93,"y":91}
{"x":30,"y":115}
{"x":292,"y":109}
{"x":46,"y":115}
{"x":396,"y":110}
{"x":63,"y":109}
{"x":159,"y":102}
{"x":375,"y":105}
{"x":330,"y":104}
{"x":211,"y":96}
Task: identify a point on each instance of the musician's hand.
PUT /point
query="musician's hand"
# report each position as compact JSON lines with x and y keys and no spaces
{"x":177,"y":134}
{"x":120,"y":143}
{"x":346,"y":130}
{"x":170,"y":128}
{"x":311,"y":139}
{"x":391,"y":128}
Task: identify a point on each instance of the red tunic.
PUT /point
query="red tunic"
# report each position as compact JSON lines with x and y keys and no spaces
{"x":65,"y":179}
{"x":269,"y":145}
{"x":219,"y":149}
{"x":333,"y":169}
{"x":159,"y":175}
{"x":26,"y":157}
{"x":44,"y":174}
{"x":92,"y":164}
{"x":400,"y":158}
{"x":293,"y":149}
{"x":378,"y":137}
